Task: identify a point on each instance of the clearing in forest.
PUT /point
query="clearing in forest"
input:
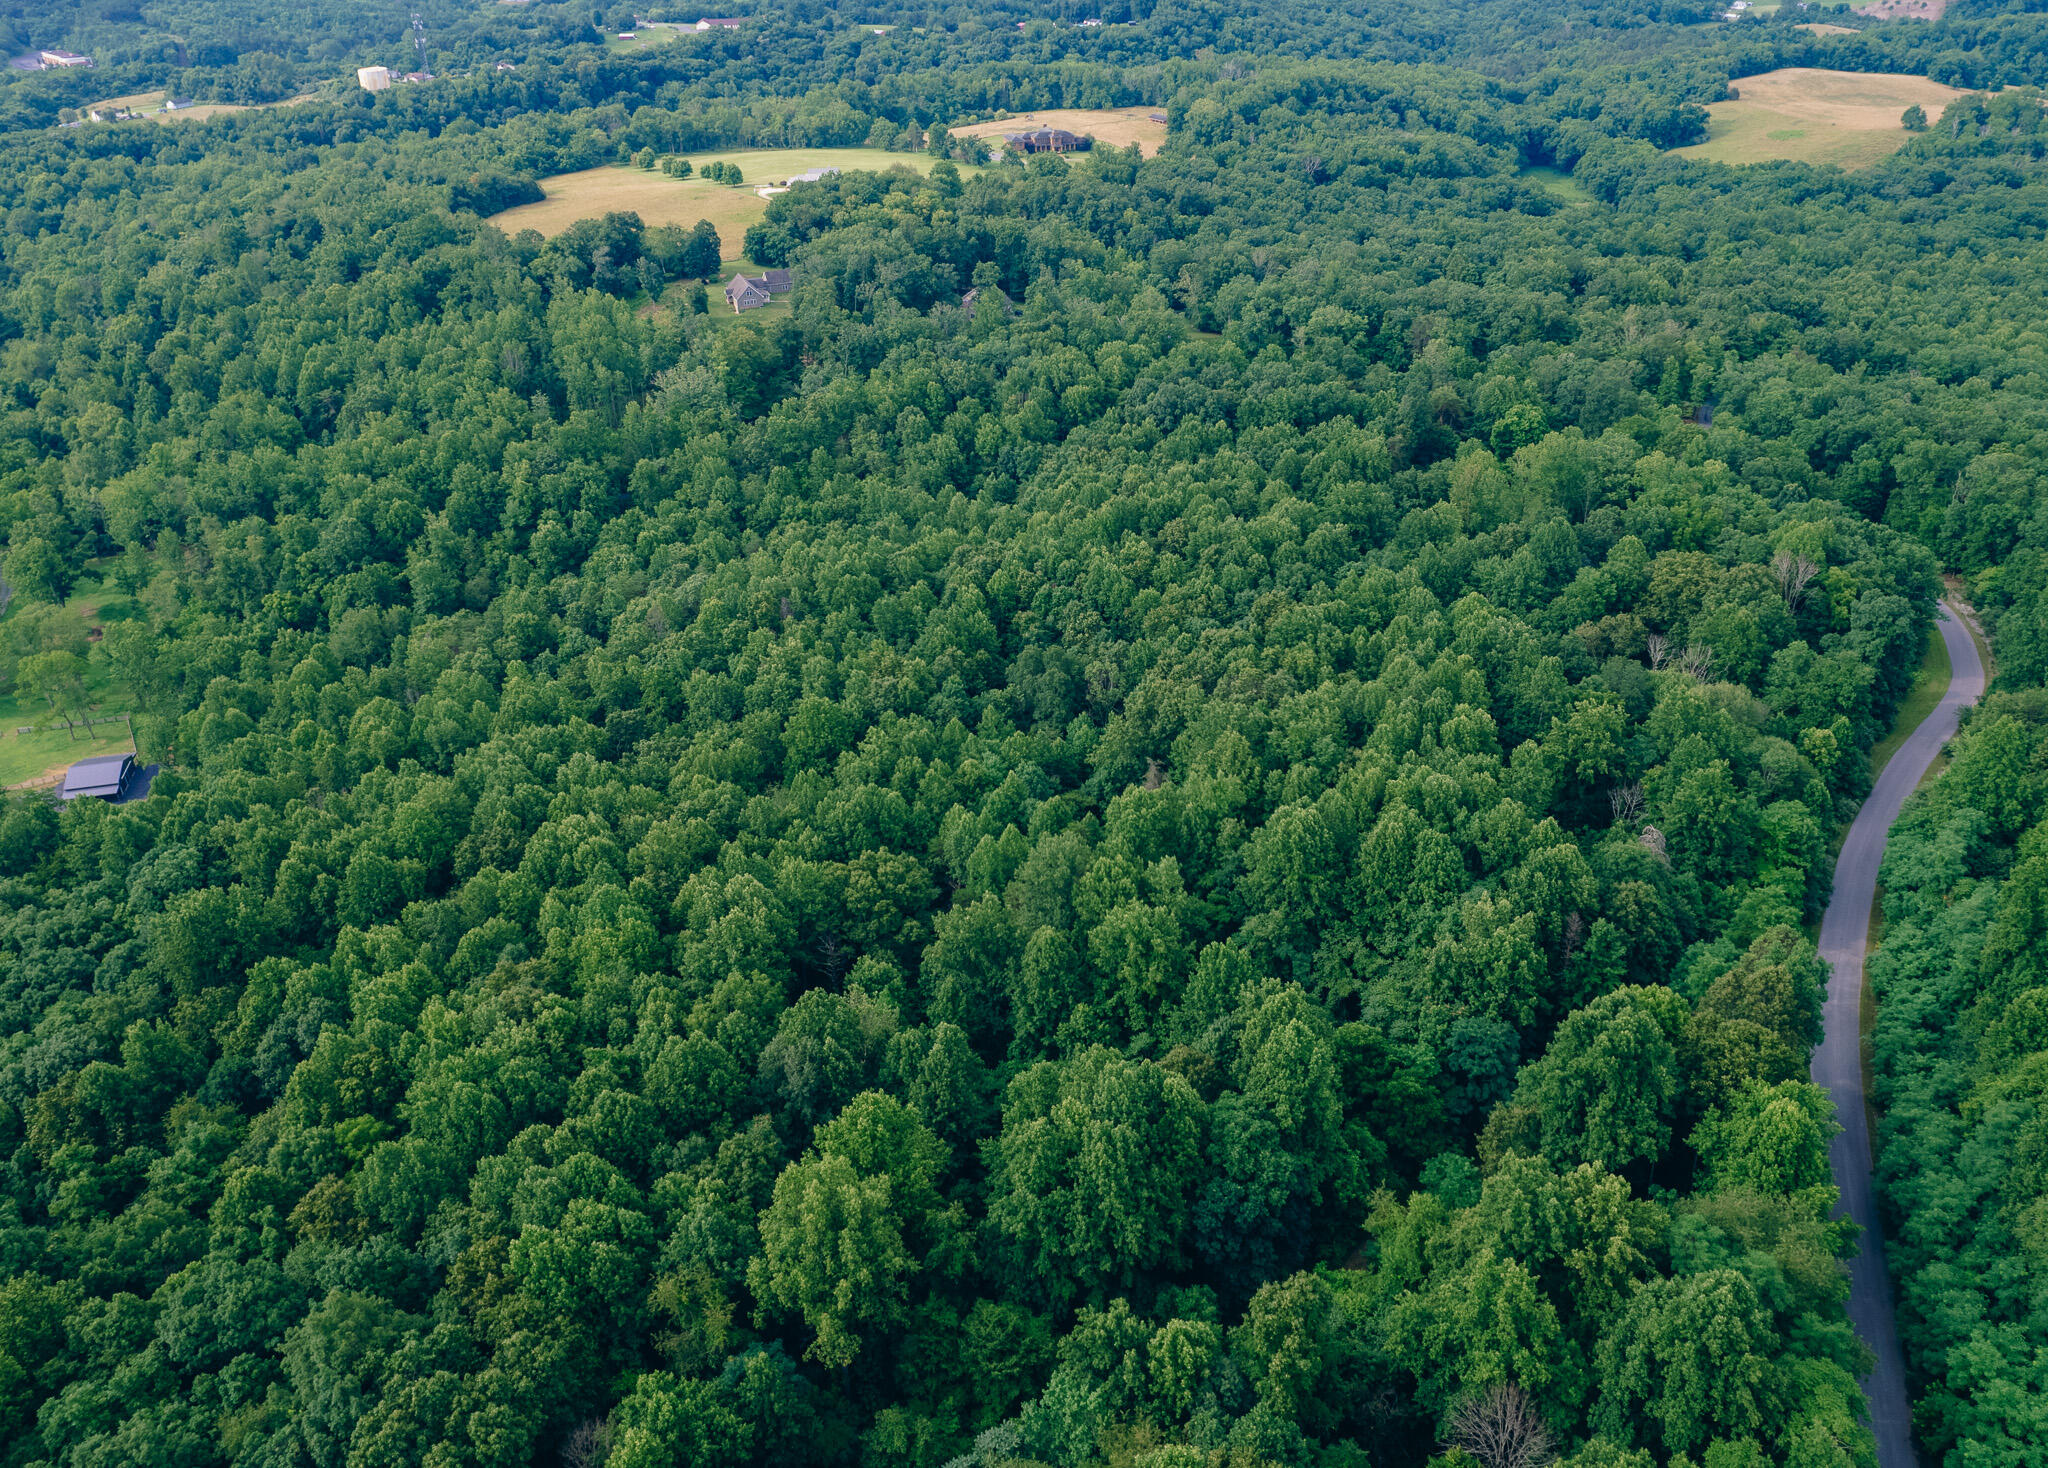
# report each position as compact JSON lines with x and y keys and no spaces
{"x":1848,"y":118}
{"x":1903,"y":9}
{"x":647,"y":37}
{"x":659,"y":199}
{"x":1822,"y":28}
{"x":1117,"y":126}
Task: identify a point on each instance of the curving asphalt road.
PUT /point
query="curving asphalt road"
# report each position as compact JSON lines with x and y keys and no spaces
{"x":1838,"y":1063}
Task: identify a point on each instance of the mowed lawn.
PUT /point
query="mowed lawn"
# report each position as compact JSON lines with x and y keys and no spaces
{"x":659,"y":199}
{"x":1848,"y":118}
{"x":658,"y":33}
{"x":48,"y":747}
{"x":1117,"y":126}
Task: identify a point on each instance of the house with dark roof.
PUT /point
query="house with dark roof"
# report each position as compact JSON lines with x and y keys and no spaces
{"x":747,"y":292}
{"x":104,"y":776}
{"x":1049,"y":140}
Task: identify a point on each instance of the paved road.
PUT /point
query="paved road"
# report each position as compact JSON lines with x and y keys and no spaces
{"x":1838,"y":1064}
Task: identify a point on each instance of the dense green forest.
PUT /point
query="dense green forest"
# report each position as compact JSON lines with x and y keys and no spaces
{"x":1205,"y":861}
{"x":1961,"y":1046}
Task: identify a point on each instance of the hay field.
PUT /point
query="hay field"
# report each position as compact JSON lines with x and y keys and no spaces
{"x":1848,"y":118}
{"x":1120,"y":126}
{"x":1822,"y":28}
{"x":659,"y":199}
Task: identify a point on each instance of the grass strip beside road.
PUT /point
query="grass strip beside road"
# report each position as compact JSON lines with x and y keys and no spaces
{"x":1929,"y":684}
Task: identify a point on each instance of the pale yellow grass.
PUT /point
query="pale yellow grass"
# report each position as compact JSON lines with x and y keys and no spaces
{"x":133,"y":100}
{"x":1819,"y":28}
{"x":659,"y":199}
{"x":1847,"y":118}
{"x":1119,"y":126}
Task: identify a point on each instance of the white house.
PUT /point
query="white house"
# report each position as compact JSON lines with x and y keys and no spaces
{"x":374,"y":78}
{"x":727,"y":23}
{"x":63,"y":58}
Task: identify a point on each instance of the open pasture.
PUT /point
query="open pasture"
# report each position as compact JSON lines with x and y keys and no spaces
{"x":1807,"y":115}
{"x":1117,"y":126}
{"x":659,"y":199}
{"x":647,"y":37}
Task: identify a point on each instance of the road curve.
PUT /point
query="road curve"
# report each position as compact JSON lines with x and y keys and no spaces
{"x":1838,"y":1063}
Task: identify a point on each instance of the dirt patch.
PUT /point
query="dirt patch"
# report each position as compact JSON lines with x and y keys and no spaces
{"x":1118,"y":126}
{"x":1811,"y":115}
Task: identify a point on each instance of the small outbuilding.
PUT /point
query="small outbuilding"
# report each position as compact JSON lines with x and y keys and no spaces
{"x":104,"y":776}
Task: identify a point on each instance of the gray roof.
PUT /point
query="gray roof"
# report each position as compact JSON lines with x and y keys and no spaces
{"x":102,"y":775}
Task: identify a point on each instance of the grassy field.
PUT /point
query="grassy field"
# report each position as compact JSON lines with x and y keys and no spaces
{"x":657,"y":33}
{"x":1929,"y":684}
{"x":1847,"y":118}
{"x":150,"y":106}
{"x":659,"y":199}
{"x":33,"y":759}
{"x":1904,"y":9}
{"x":1121,"y":126}
{"x":1821,"y":28}
{"x":1557,"y":182}
{"x":48,"y":747}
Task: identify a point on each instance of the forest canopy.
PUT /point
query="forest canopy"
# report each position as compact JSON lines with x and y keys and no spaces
{"x":1204,"y":858}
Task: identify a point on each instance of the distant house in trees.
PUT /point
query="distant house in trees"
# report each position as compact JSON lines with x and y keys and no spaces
{"x":62,"y":59}
{"x":725,"y":23}
{"x":748,"y":292}
{"x":814,"y":175}
{"x":967,"y":301}
{"x":1049,"y":140}
{"x":373,"y":78}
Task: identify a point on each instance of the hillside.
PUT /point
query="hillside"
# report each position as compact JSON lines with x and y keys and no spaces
{"x":1170,"y":818}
